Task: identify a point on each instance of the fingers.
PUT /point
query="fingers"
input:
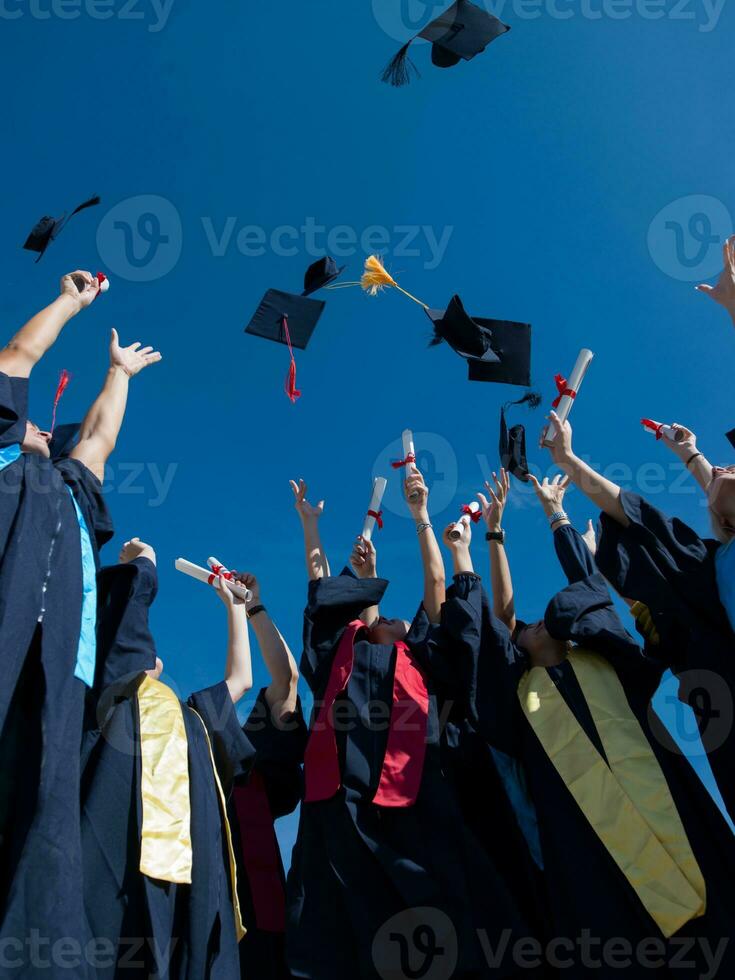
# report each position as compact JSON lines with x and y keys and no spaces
{"x":483,"y":502}
{"x":135,"y":346}
{"x":564,"y":482}
{"x":534,"y":481}
{"x":153,"y":358}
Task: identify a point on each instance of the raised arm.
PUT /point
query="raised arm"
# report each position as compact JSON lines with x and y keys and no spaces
{"x":282,"y":692}
{"x":500,"y":577}
{"x":686,"y":450}
{"x":364,"y":563}
{"x":724,"y":292}
{"x":28,"y":346}
{"x":602,"y":492}
{"x":317,"y":565}
{"x":239,"y":666}
{"x":460,"y":549}
{"x":574,"y":553}
{"x":417,"y":498}
{"x":103,"y":421}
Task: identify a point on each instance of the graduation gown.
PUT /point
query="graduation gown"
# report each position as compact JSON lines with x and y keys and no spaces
{"x":371,"y":886}
{"x":169,"y":929}
{"x":271,"y":790}
{"x":592,"y":903}
{"x":53,"y":519}
{"x":665,"y":564}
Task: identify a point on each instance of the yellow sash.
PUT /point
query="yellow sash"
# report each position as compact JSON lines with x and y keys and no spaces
{"x":628,"y":803}
{"x":165,"y":846}
{"x":239,"y":924}
{"x":644,"y":620}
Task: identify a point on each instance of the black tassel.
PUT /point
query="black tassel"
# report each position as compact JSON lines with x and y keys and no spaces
{"x":437,"y":337}
{"x":399,"y":69}
{"x":92,"y":202}
{"x":531,"y":398}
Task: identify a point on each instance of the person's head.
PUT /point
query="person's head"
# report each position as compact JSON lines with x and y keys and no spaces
{"x":388,"y":631}
{"x":721,"y":500}
{"x":36,"y":441}
{"x":156,"y":671}
{"x":536,"y":641}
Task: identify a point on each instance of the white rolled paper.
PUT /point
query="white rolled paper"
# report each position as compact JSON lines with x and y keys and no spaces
{"x":375,"y":503}
{"x":456,"y":533}
{"x":209,"y":578}
{"x":574,"y":382}
{"x":667,"y":431}
{"x":409,"y":451}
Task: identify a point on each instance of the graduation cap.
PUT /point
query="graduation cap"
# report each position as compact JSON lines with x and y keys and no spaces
{"x":64,"y":439}
{"x":320,"y":274}
{"x":496,"y":350}
{"x":513,"y":441}
{"x":289,"y":319}
{"x":731,"y":438}
{"x":47,"y":229}
{"x":463,"y":31}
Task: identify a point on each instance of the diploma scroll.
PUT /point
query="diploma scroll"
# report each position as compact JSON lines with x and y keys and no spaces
{"x":475,"y":512}
{"x":209,"y":578}
{"x":662,"y":431}
{"x":374,"y":509}
{"x":409,"y":454}
{"x":571,"y":391}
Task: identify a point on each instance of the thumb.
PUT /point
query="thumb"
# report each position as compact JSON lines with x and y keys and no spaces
{"x":704,"y":288}
{"x":114,"y":338}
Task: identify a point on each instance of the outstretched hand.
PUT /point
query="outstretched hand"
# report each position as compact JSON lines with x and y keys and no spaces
{"x":550,"y":492}
{"x":305,"y":510}
{"x":724,"y":291}
{"x":364,"y":559}
{"x":590,"y":538}
{"x":131,"y":359}
{"x":85,"y":296}
{"x":492,"y":510}
{"x":561,"y":443}
{"x":687,"y":444}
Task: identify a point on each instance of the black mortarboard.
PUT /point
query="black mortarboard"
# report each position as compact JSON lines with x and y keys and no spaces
{"x":287,"y":319}
{"x":64,"y":439}
{"x":47,"y":229}
{"x":513,"y":441}
{"x":463,"y":31}
{"x":731,"y":437}
{"x":496,"y":350}
{"x":320,"y":274}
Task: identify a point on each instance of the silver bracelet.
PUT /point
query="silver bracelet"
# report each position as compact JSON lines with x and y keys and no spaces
{"x":420,"y":528}
{"x":560,"y":515}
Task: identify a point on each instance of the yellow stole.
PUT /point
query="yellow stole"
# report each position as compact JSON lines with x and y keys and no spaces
{"x":628,"y":803}
{"x":165,"y":846}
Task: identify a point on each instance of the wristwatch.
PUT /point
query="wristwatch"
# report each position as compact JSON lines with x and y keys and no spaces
{"x":496,"y":536}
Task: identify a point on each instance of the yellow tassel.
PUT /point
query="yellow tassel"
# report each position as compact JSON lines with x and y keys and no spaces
{"x":376,"y":278}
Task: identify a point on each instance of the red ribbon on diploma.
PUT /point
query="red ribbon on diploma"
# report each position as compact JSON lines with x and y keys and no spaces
{"x":474,"y":515}
{"x":653,"y":427}
{"x":408,"y":461}
{"x":218,"y":570}
{"x":378,"y":515}
{"x":564,"y":390}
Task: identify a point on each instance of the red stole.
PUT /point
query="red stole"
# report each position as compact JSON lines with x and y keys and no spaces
{"x":260,"y":854}
{"x":403,"y":765}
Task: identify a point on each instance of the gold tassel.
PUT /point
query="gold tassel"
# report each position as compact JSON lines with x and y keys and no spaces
{"x":376,"y":277}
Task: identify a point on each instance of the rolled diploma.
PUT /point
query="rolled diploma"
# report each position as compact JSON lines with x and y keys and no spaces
{"x":668,"y":431}
{"x":575,"y":383}
{"x":204,"y":575}
{"x":408,"y":450}
{"x":375,"y":501}
{"x":456,"y":533}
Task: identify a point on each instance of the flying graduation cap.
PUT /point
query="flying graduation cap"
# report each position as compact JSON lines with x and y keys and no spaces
{"x":513,"y":441}
{"x":47,"y":229}
{"x":290,"y":319}
{"x":462,"y":32}
{"x":731,"y":438}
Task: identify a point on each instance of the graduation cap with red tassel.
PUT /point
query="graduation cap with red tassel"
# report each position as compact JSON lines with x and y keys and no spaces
{"x":48,"y":228}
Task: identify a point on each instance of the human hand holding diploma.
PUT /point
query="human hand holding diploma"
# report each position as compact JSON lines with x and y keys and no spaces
{"x":470,"y":512}
{"x":568,"y":391}
{"x":210,"y":577}
{"x":409,"y":459}
{"x":374,"y":514}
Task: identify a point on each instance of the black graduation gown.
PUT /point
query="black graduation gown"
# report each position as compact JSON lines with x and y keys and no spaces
{"x":662,"y":562}
{"x":591,"y":901}
{"x":279,"y":754}
{"x":169,"y":930}
{"x":356,"y":865}
{"x":41,"y":701}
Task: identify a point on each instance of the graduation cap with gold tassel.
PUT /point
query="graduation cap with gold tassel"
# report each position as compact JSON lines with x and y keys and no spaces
{"x":375,"y":278}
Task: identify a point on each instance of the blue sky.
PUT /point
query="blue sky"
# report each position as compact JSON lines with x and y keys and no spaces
{"x":577,"y":176}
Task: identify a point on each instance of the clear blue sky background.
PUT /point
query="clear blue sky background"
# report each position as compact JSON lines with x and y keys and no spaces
{"x":546,"y":163}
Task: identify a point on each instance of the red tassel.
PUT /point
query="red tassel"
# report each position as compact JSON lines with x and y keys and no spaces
{"x":64,"y":379}
{"x":291,"y":389}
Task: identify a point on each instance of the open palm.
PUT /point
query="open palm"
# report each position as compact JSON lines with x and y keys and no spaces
{"x":724,"y":292}
{"x":131,"y":359}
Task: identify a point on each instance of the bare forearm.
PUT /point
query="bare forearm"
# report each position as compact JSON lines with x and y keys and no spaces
{"x":34,"y":339}
{"x":462,"y":561}
{"x":239,"y":668}
{"x":601,"y":491}
{"x":317,"y":565}
{"x":279,"y":661}
{"x":433,"y":565}
{"x":502,"y":585}
{"x":102,"y":424}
